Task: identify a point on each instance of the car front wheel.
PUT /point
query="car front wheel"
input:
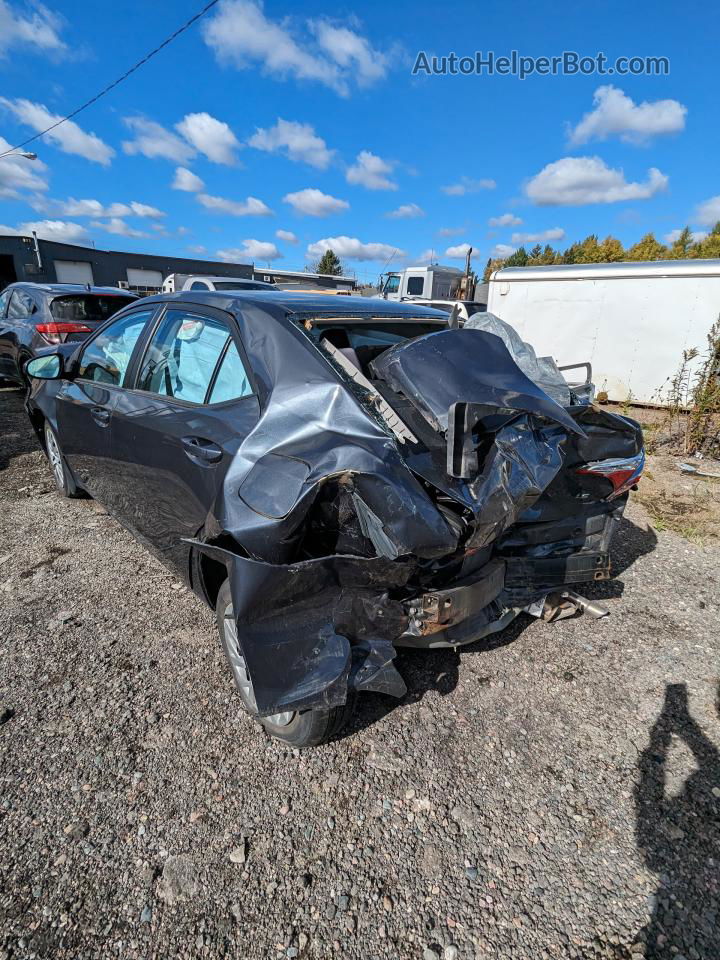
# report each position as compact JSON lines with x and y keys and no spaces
{"x":299,"y":728}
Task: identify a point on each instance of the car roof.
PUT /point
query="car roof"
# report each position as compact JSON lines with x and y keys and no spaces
{"x":297,"y":302}
{"x":57,"y":289}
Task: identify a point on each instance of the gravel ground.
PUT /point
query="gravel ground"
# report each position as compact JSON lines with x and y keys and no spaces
{"x":553,"y":793}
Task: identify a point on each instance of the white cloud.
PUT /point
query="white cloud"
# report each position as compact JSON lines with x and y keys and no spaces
{"x":17,"y":173}
{"x":68,"y":137}
{"x":117,"y":226}
{"x":450,"y":231}
{"x":298,"y":141}
{"x":94,"y":208}
{"x":370,"y":171}
{"x":505,"y":220}
{"x":240,"y":34}
{"x":459,"y":252}
{"x":287,"y":235}
{"x":406,"y":211}
{"x":210,"y":136}
{"x":153,"y":140}
{"x":708,"y":212}
{"x":145,"y":210}
{"x":545,"y":236}
{"x":616,"y":114}
{"x":315,"y":203}
{"x":61,"y":230}
{"x":351,"y":52}
{"x":251,"y":250}
{"x":467,"y":185}
{"x":251,"y":207}
{"x":696,"y":236}
{"x":197,"y":248}
{"x":353,"y":249}
{"x":574,"y":181}
{"x":427,"y":256}
{"x":39,"y":28}
{"x":501,"y":251}
{"x":187,"y":180}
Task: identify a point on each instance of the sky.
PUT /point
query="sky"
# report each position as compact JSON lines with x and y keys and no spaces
{"x":271,"y":132}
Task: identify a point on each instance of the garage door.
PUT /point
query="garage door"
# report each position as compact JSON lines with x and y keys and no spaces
{"x":73,"y":271}
{"x":137,"y":277}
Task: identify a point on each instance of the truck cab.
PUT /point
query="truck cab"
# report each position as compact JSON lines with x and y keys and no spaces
{"x":421,"y":283}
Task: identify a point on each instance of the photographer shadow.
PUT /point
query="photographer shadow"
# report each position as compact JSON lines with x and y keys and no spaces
{"x":679,"y":837}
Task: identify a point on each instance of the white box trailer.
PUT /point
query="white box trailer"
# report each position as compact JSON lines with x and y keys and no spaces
{"x":632,"y":321}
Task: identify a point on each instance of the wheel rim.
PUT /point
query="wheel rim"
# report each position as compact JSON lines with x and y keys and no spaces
{"x":242,"y":677}
{"x":55,"y":458}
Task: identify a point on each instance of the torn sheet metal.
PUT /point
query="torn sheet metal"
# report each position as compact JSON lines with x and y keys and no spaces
{"x":440,"y":369}
{"x":311,"y":630}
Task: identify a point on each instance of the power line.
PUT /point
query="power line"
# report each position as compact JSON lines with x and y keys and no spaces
{"x":119,"y":80}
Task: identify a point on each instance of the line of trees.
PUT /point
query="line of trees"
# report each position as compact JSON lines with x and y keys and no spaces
{"x":611,"y":250}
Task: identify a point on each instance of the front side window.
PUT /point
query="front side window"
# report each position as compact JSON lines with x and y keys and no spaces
{"x":106,"y":358}
{"x":183,"y":356}
{"x":21,"y":305}
{"x":392,"y":285}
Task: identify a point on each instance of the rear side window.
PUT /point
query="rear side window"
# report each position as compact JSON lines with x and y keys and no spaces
{"x":193,"y":358}
{"x":199,"y":285}
{"x":231,"y":380}
{"x":106,"y":358}
{"x":415,"y":286}
{"x":21,"y":305}
{"x":87,"y":307}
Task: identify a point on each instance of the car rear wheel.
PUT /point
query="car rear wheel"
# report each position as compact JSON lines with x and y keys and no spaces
{"x":63,"y":478}
{"x":300,"y":728}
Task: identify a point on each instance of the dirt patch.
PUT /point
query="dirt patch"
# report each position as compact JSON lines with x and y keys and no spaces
{"x":683,"y":502}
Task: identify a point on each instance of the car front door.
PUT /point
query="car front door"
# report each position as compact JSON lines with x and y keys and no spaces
{"x":85,"y":404}
{"x":175,"y":432}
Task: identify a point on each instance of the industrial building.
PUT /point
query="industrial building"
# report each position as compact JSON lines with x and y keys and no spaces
{"x":47,"y":261}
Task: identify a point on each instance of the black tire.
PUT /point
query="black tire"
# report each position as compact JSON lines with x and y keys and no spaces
{"x":304,"y":728}
{"x":64,"y":480}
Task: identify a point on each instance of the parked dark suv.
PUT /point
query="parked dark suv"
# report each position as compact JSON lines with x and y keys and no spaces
{"x":36,"y":315}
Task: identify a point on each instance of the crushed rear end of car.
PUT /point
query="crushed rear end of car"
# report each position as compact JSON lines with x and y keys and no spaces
{"x":418,"y":494}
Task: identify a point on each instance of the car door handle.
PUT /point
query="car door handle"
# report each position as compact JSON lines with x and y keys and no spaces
{"x":201,"y":450}
{"x":101,"y":416}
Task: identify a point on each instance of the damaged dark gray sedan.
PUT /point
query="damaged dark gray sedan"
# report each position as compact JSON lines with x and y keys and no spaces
{"x":337,"y":477}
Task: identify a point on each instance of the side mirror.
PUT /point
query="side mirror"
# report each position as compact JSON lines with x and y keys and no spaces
{"x":48,"y":367}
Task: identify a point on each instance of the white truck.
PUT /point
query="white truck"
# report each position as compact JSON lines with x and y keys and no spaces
{"x":437,"y":286}
{"x":632,"y":321}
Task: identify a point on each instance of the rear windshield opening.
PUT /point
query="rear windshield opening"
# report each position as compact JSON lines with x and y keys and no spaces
{"x":84,"y":307}
{"x":364,"y":341}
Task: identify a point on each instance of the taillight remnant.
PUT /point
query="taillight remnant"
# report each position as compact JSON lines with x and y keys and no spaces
{"x":622,"y":472}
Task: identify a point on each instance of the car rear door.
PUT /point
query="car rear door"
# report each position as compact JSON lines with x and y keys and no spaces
{"x":85,"y":404}
{"x":176,"y":431}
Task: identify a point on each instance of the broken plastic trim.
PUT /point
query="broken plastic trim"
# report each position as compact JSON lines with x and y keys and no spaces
{"x":309,"y":631}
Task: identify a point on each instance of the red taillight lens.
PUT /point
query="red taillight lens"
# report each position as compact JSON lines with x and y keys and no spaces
{"x":622,"y":473}
{"x":55,"y":332}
